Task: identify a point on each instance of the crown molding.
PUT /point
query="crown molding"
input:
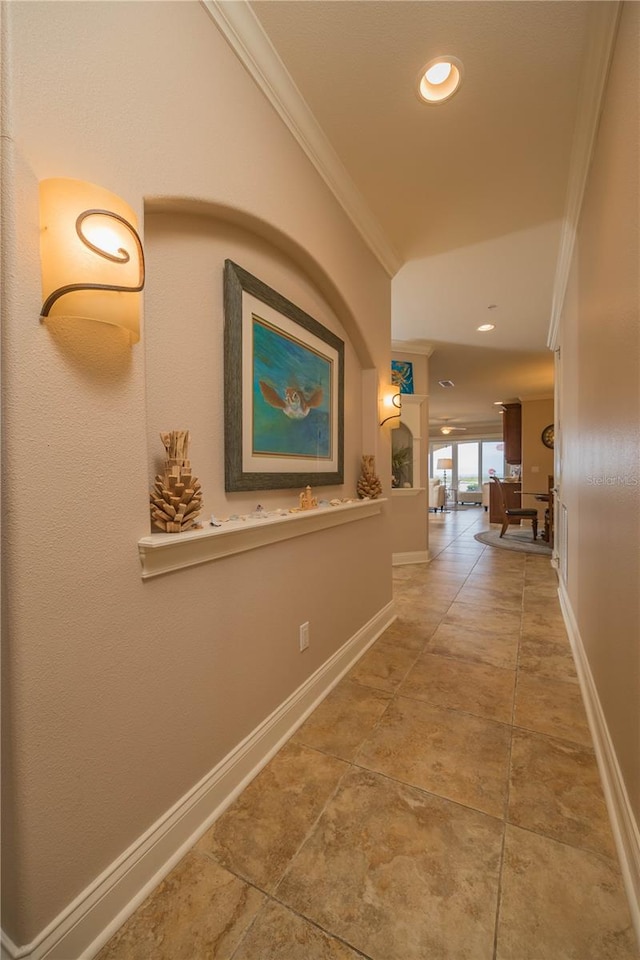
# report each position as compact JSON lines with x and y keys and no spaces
{"x":243,"y":32}
{"x":412,"y":346}
{"x":603,"y":28}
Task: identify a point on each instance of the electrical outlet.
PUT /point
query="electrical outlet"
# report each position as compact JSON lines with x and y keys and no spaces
{"x":304,"y":636}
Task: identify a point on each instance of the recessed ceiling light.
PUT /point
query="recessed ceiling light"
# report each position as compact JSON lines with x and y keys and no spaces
{"x":439,"y":79}
{"x":498,"y":403}
{"x":439,"y":72}
{"x":484,"y":327}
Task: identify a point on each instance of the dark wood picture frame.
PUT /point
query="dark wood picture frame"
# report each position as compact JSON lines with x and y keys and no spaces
{"x":239,"y":393}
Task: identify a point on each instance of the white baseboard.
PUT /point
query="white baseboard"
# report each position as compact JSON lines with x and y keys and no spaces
{"x":85,"y":925}
{"x":625,"y":828}
{"x":8,"y":949}
{"x":413,"y":556}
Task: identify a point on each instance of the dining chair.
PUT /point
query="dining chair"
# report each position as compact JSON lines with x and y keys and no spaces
{"x":521,"y":513}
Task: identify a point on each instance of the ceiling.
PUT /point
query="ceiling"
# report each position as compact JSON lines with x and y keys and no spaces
{"x":469,"y":194}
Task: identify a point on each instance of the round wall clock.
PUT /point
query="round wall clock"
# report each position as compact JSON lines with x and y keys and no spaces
{"x":547,"y":436}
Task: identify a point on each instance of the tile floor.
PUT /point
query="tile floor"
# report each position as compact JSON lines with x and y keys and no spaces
{"x":443,"y":802}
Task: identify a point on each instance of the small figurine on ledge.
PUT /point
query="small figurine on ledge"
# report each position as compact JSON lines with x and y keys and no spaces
{"x":307,"y":502}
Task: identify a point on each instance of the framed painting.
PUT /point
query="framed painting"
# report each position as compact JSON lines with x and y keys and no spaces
{"x":283,"y":391}
{"x":402,"y":375}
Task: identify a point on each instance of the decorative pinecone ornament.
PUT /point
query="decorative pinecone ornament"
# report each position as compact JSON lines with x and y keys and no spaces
{"x":176,"y":498}
{"x":369,"y":486}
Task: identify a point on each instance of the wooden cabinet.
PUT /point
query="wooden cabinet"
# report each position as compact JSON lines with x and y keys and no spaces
{"x":512,"y":432}
{"x":512,"y":497}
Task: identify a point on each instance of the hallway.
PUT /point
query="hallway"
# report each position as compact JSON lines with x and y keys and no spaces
{"x":443,"y":802}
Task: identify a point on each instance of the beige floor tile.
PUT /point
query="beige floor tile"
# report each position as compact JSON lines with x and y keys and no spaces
{"x":549,"y":658}
{"x":455,"y":755}
{"x":384,"y":666}
{"x":464,"y":551}
{"x":410,"y":634}
{"x":559,"y":903}
{"x":542,"y":595}
{"x":495,"y":597}
{"x":543,"y":623}
{"x":477,"y":688}
{"x":555,"y":789}
{"x":459,"y":566}
{"x":398,"y":874}
{"x":552,"y":707}
{"x":539,"y":568}
{"x":412,"y":608}
{"x":406,"y":571}
{"x":435,"y":588}
{"x":469,"y":641}
{"x":199,"y":911}
{"x":279,"y":934}
{"x":504,"y":558}
{"x":491,"y":622}
{"x":260,"y":832}
{"x":496,"y":578}
{"x":436,"y":579}
{"x":343,"y":720}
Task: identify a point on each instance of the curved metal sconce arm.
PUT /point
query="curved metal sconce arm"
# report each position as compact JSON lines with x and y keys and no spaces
{"x":122,"y":256}
{"x":396,"y":400}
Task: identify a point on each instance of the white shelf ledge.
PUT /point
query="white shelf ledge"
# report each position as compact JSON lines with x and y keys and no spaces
{"x":407,"y":491}
{"x":164,"y":552}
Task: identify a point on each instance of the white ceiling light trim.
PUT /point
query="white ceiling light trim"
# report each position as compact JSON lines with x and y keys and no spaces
{"x":243,"y":32}
{"x":602,"y":35}
{"x":439,"y":79}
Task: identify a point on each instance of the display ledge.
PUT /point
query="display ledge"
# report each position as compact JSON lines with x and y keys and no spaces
{"x":407,"y":491}
{"x":164,"y":552}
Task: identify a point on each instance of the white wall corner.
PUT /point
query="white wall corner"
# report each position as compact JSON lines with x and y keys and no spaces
{"x":604,"y":18}
{"x":411,"y":556}
{"x":623,"y":823}
{"x":244,"y":33}
{"x":8,"y":949}
{"x":86,"y":924}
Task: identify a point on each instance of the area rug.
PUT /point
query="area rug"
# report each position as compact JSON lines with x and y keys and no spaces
{"x":520,"y":542}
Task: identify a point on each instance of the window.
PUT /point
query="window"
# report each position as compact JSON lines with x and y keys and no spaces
{"x":492,"y":459}
{"x":474,"y":462}
{"x":468,"y":467}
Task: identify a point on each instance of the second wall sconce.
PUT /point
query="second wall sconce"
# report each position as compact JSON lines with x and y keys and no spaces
{"x":92,"y":259}
{"x":388,"y":401}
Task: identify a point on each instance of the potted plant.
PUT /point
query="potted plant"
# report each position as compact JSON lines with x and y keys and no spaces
{"x":400,"y":460}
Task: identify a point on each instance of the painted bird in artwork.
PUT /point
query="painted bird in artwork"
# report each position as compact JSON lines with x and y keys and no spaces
{"x":294,"y":404}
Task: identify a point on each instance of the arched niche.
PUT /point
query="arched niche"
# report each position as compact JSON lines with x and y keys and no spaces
{"x":281,"y":241}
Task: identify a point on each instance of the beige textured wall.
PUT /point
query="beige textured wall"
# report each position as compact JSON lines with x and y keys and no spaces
{"x":600,"y":409}
{"x":537,"y":460}
{"x":120,"y":695}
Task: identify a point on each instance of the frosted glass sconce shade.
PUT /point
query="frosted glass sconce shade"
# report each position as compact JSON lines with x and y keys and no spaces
{"x":91,"y":256}
{"x":391,"y":402}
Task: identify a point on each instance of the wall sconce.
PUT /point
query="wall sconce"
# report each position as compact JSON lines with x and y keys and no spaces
{"x":91,"y":256}
{"x":388,"y":402}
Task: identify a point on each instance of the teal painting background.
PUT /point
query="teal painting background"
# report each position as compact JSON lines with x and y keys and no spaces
{"x":283,"y":362}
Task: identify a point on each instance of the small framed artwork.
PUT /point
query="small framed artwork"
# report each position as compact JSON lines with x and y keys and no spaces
{"x":284,"y":391}
{"x":402,"y":375}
